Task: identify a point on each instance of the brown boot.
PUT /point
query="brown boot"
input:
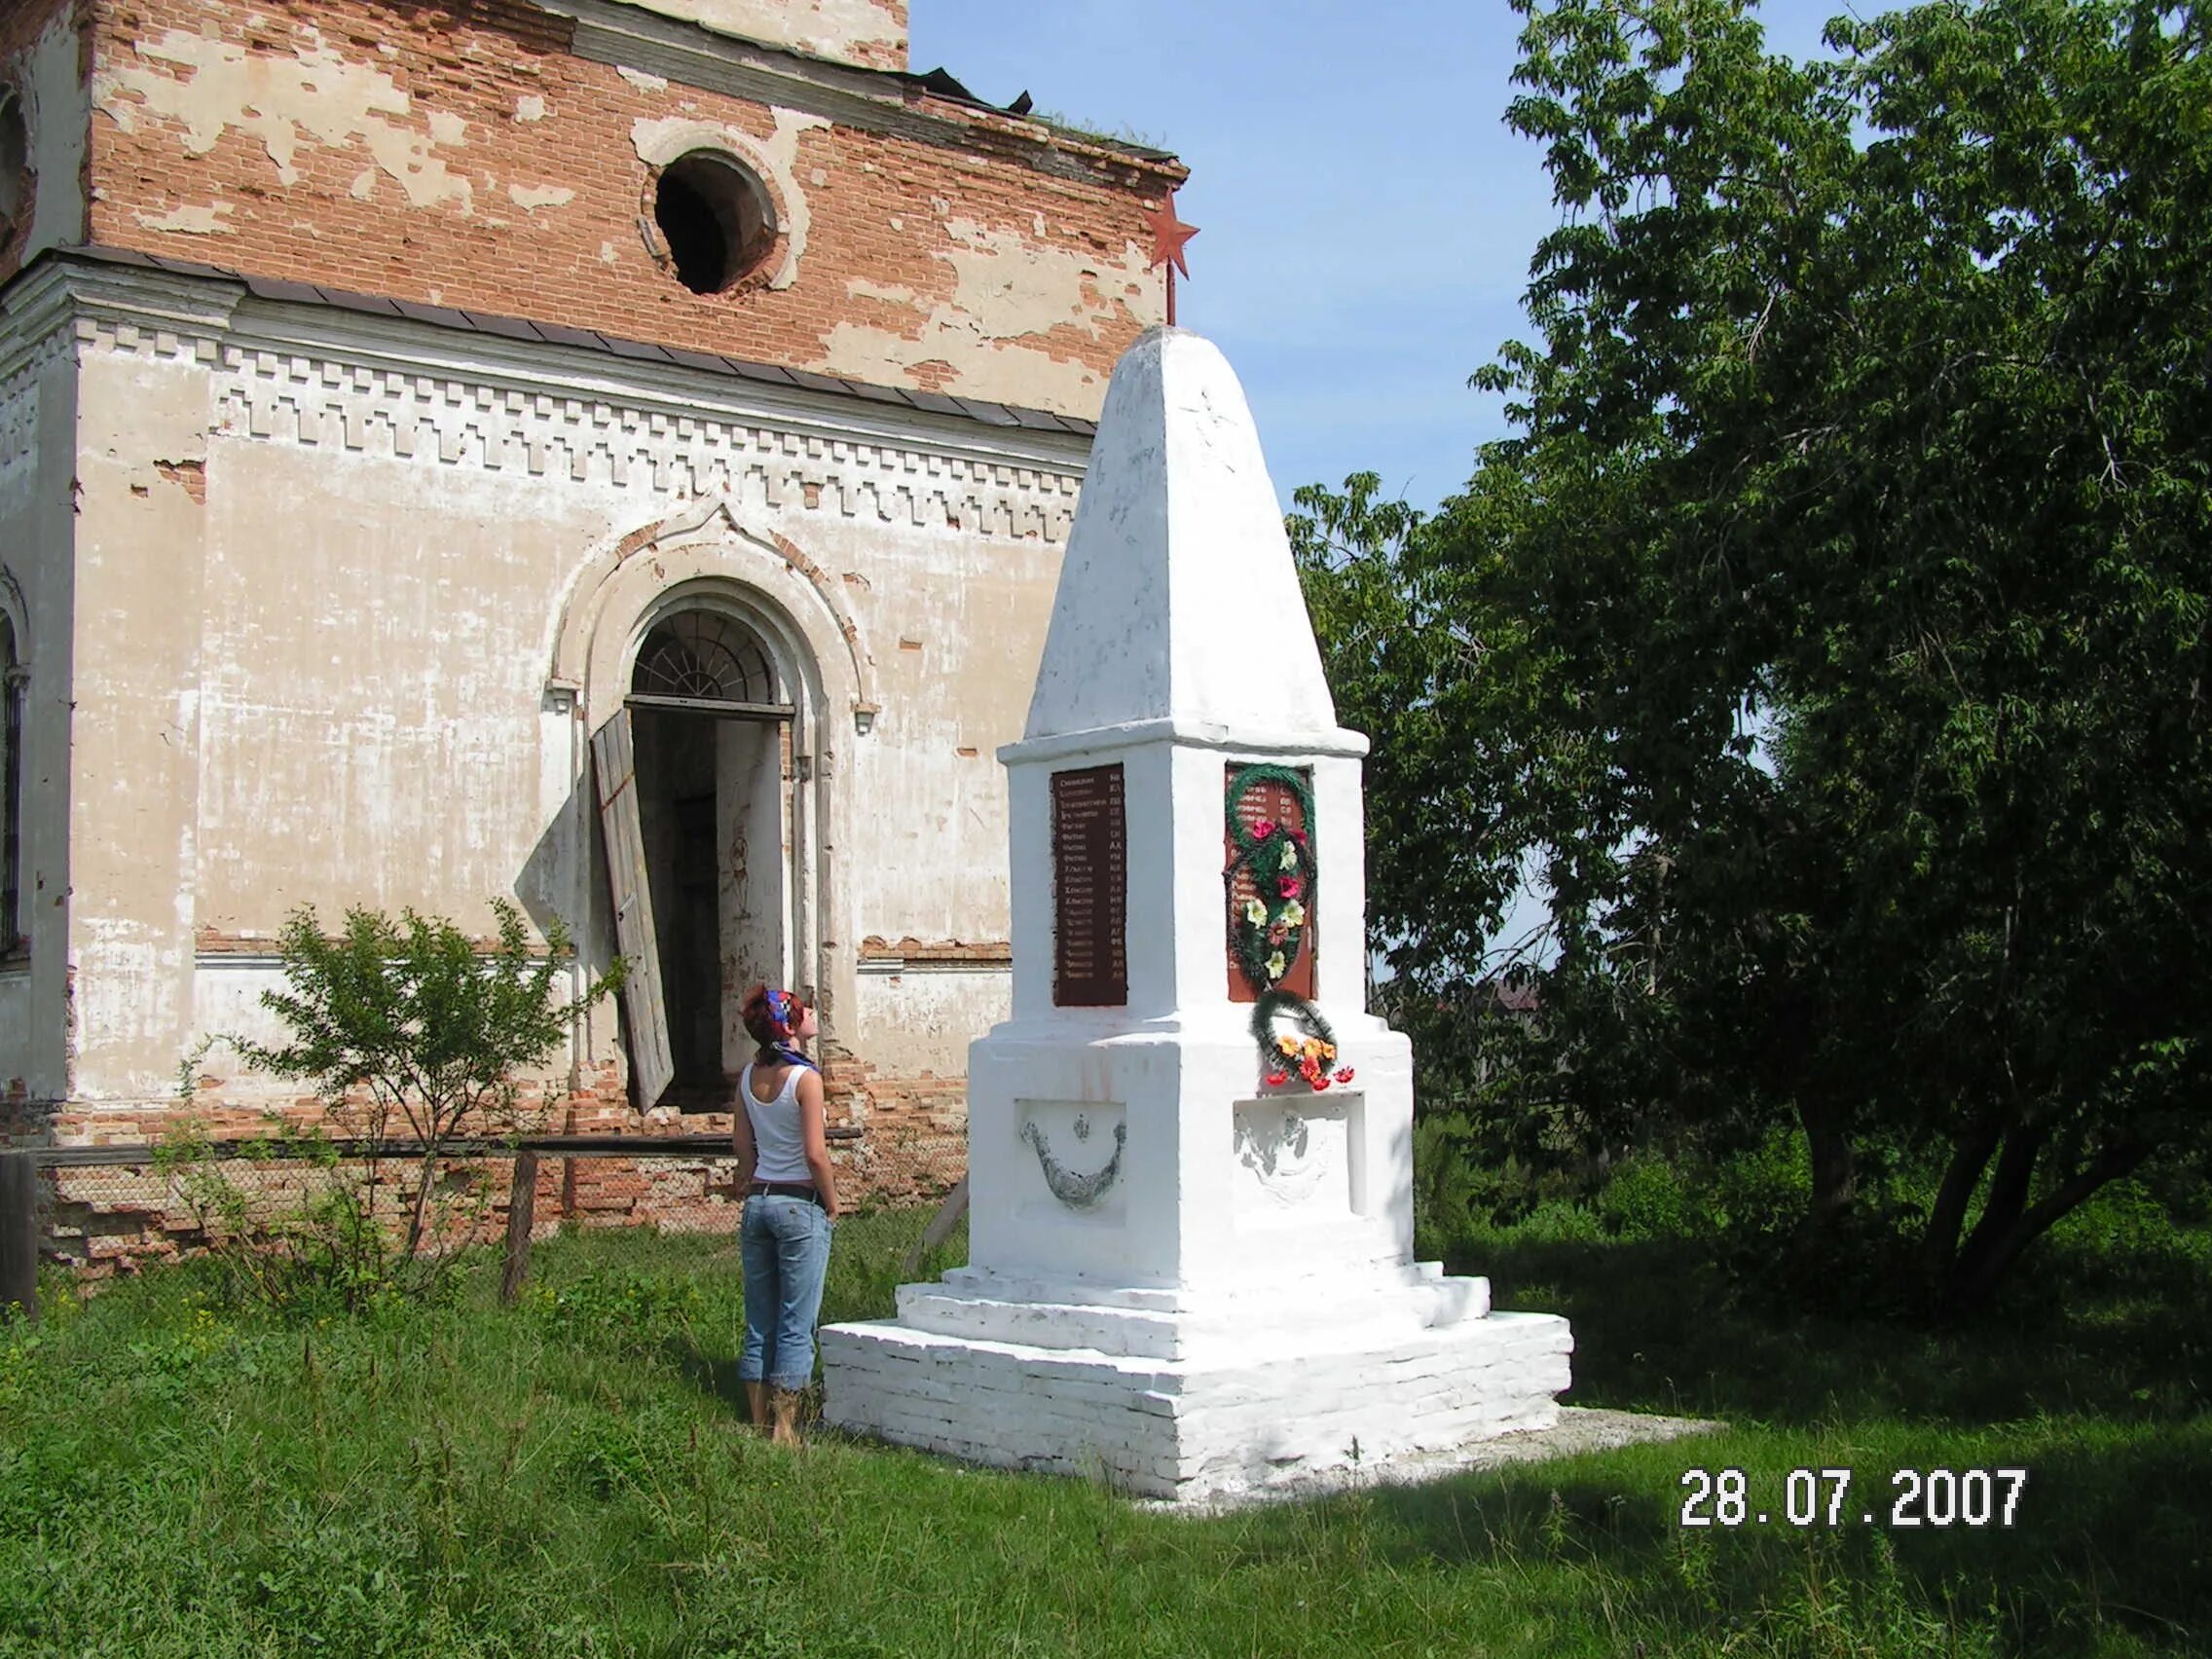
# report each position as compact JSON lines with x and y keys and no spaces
{"x":756,"y":1398}
{"x":787,"y":1417}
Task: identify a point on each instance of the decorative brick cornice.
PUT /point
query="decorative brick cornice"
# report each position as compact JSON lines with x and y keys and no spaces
{"x":309,"y":377}
{"x":35,"y":329}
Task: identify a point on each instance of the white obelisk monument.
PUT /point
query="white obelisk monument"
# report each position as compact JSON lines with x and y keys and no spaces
{"x":1190,"y":1270}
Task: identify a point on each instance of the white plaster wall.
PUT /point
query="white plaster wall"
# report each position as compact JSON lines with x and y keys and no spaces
{"x":868,"y":32}
{"x":332,"y":683}
{"x":38,"y":408}
{"x":226,"y":1005}
{"x":57,"y":116}
{"x":135,"y":760}
{"x":923,"y":1018}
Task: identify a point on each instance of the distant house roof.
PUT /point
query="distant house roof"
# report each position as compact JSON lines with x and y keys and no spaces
{"x":560,"y":334}
{"x":1515,"y":997}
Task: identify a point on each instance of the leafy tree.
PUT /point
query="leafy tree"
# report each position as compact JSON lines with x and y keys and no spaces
{"x":1872,"y":415}
{"x":405,"y":1024}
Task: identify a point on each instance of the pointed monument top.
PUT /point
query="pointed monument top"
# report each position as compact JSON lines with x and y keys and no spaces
{"x":1178,"y":601}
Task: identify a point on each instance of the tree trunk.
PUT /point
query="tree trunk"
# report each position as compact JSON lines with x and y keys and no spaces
{"x":1940,"y":1244}
{"x":1987,"y":1259}
{"x":1997,"y":1238}
{"x":1835,"y":1175}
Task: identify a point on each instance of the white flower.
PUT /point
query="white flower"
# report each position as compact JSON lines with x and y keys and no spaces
{"x":1289,"y":856}
{"x":1256,"y":912}
{"x":1293,"y":914}
{"x":1277,"y":966}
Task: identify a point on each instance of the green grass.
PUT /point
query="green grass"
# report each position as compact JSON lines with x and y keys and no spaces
{"x":570,"y":1478}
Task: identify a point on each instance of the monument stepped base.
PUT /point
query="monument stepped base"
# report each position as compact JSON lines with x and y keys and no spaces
{"x":1232,"y":1415}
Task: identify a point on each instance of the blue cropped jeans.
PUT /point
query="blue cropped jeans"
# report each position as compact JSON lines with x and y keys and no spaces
{"x":785,"y":1244}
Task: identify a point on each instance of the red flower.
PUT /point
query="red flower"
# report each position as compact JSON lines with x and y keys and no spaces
{"x":1277,"y":933}
{"x":1290,"y":886}
{"x":1262,"y":828}
{"x":1275,"y":1080}
{"x":1298,"y":836}
{"x":1345,"y":1075}
{"x":1319,"y":1084}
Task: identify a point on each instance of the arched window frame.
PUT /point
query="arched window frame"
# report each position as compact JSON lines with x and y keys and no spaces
{"x":702,"y":656}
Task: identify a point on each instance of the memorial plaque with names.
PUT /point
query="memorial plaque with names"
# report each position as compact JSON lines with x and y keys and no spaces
{"x":1266,"y":799}
{"x":1090,"y":881}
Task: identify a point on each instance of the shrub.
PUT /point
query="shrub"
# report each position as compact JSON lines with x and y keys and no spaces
{"x":397,"y":1025}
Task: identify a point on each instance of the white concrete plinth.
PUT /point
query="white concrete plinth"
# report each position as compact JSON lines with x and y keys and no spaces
{"x":1194,"y":1403}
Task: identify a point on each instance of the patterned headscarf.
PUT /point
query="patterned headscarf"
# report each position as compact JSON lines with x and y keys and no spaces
{"x":776,"y":1028}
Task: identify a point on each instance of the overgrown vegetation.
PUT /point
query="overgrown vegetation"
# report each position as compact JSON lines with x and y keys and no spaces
{"x":409,"y":1032}
{"x":1831,"y":637}
{"x":183,"y":1472}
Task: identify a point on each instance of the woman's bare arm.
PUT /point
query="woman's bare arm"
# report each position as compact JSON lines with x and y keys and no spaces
{"x":741,"y":1138}
{"x":814,"y":1141}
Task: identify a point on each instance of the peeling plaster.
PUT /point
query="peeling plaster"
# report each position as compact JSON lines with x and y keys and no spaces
{"x":776,"y":159}
{"x":540,"y":196}
{"x":639,"y":79}
{"x":200,"y":221}
{"x":530,"y":107}
{"x":318,"y":98}
{"x":897,"y":293}
{"x":56,"y":114}
{"x":1007,"y":291}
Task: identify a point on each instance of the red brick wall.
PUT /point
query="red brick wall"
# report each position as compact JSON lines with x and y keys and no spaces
{"x":464,"y":69}
{"x":913,"y":1146}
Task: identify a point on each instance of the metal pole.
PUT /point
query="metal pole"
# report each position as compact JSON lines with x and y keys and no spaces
{"x":19,"y":1233}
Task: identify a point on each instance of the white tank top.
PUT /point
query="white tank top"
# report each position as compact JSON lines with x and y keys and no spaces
{"x":779,"y":1149}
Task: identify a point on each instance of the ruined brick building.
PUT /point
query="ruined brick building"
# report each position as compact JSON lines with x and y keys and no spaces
{"x":400,"y":401}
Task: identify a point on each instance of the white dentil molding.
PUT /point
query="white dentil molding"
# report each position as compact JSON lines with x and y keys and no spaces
{"x":354,"y":383}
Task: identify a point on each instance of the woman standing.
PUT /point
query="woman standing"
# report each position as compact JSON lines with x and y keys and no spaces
{"x":791,"y":1203}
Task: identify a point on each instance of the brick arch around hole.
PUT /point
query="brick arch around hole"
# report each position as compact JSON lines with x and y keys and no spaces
{"x":770,"y":163}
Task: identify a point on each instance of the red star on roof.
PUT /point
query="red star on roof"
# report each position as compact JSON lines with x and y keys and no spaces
{"x":1168,"y":234}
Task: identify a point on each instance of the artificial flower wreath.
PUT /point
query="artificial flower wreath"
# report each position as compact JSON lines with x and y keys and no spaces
{"x":1267,"y":933}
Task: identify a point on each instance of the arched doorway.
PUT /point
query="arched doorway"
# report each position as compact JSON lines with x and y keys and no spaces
{"x":707,"y":725}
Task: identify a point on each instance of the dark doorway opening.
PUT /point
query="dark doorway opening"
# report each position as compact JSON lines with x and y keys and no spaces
{"x":708,"y":732}
{"x":676,"y":803}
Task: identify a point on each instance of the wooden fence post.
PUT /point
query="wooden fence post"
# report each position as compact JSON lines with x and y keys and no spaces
{"x":522,"y":1216}
{"x":940,"y":1229}
{"x":19,"y":1233}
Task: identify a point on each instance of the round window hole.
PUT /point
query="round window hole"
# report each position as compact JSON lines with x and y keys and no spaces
{"x":14,"y":158}
{"x":715,"y":215}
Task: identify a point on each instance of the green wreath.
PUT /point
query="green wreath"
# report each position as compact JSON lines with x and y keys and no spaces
{"x":1268,"y":931}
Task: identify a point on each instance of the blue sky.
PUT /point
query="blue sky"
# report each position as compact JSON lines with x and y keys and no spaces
{"x":1366,"y":218}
